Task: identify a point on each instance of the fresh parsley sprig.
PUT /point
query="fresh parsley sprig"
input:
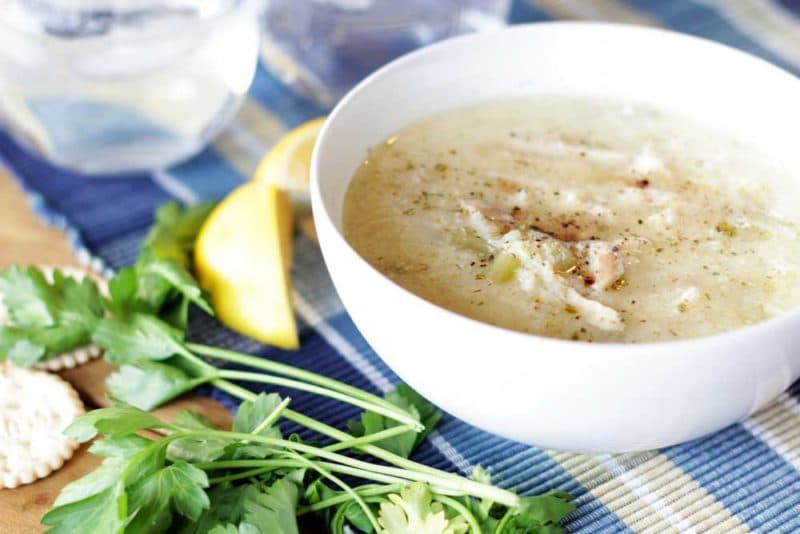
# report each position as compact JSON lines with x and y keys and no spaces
{"x":197,"y":478}
{"x":251,"y":479}
{"x":46,"y":318}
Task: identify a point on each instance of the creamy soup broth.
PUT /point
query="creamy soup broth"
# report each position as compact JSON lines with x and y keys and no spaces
{"x":580,"y":219}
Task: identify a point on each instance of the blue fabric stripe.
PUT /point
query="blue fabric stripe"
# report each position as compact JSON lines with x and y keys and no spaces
{"x":524,"y":11}
{"x":793,"y":6}
{"x":208,"y":175}
{"x":704,"y":21}
{"x":343,"y":324}
{"x":121,"y":250}
{"x":739,"y":470}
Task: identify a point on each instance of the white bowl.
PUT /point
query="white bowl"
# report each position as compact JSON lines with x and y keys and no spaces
{"x":547,"y":392}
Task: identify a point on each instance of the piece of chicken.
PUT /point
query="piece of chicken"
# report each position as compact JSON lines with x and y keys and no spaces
{"x":553,"y":264}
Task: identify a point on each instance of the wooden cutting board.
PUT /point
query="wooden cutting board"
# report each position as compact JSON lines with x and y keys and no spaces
{"x":25,"y":240}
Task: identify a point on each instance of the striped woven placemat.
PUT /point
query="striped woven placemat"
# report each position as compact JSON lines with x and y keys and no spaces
{"x":745,"y":477}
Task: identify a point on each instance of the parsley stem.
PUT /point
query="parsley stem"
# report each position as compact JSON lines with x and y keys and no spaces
{"x":474,"y":527}
{"x":337,"y":434}
{"x":362,"y":491}
{"x":236,"y":464}
{"x":342,"y":484}
{"x":501,"y":526}
{"x":369,"y":438}
{"x":244,"y":474}
{"x":392,"y":413}
{"x":277,"y":464}
{"x":440,"y":479}
{"x":272,"y":416}
{"x":300,"y":374}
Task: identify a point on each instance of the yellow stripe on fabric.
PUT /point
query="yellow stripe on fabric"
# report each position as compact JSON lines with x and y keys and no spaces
{"x":778,"y":425}
{"x":262,"y":123}
{"x":692,"y":507}
{"x":604,"y":10}
{"x":767,"y":23}
{"x":607,"y":487}
{"x":649,"y":493}
{"x":245,"y":141}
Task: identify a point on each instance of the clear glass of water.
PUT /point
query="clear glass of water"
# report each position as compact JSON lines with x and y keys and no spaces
{"x":321,"y":48}
{"x":108,"y":86}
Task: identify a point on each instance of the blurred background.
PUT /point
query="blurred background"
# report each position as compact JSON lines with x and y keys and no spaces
{"x":192,"y":92}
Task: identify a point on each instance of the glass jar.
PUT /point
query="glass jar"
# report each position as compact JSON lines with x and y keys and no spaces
{"x":321,"y":48}
{"x":107,"y":86}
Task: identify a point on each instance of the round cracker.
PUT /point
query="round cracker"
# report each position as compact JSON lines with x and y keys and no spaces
{"x":35,"y":408}
{"x":78,"y":355}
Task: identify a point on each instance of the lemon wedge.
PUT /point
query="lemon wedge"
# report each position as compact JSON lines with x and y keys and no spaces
{"x":243,"y":252}
{"x":242,"y":258}
{"x":288,"y":164}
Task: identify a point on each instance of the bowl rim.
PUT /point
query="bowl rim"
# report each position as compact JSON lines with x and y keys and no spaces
{"x":619,"y":350}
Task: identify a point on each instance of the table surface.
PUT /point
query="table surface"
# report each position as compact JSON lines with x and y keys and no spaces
{"x":25,"y":240}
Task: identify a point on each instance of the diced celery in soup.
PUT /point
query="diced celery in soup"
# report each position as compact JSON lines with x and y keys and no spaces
{"x":580,"y":219}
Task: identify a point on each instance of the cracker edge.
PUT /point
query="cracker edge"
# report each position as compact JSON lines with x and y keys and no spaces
{"x":56,"y":462}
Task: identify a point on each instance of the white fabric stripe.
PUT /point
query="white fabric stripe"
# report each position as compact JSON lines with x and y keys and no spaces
{"x":174,"y":187}
{"x":349,"y":353}
{"x":767,"y":23}
{"x":450,"y":452}
{"x":605,"y":10}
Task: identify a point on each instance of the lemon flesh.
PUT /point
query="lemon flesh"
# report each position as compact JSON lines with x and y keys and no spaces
{"x":288,"y":164}
{"x":242,"y":258}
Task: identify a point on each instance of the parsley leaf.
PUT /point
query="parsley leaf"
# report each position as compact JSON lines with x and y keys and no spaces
{"x":137,"y":337}
{"x":30,"y":299}
{"x":226,"y":508}
{"x":410,"y":401}
{"x":174,"y":231}
{"x":159,"y":287}
{"x":119,"y":446}
{"x":102,"y":513}
{"x":355,"y":516}
{"x":95,"y":482}
{"x":120,"y":419}
{"x":273,"y":511}
{"x":179,"y":486}
{"x":482,"y":509}
{"x":178,"y":278}
{"x":413,"y":510}
{"x":252,"y":413}
{"x":196,"y":448}
{"x":150,"y":384}
{"x":46,"y":318}
{"x":193,"y":420}
{"x":540,"y":513}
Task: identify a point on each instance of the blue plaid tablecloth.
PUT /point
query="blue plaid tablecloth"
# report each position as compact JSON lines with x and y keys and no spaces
{"x":743,"y":478}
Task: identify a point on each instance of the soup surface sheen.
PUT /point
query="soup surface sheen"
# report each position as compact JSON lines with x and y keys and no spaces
{"x":580,"y":219}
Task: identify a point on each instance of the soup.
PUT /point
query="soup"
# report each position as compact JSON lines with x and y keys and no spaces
{"x":580,"y":219}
